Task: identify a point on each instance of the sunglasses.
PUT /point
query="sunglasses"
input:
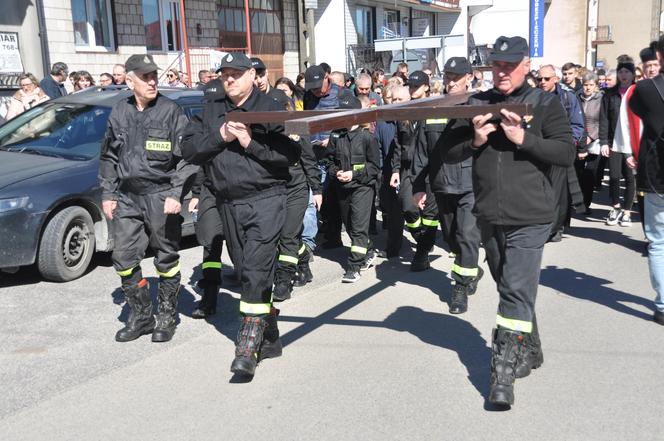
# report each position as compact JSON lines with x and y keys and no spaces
{"x":545,"y":78}
{"x":170,"y":76}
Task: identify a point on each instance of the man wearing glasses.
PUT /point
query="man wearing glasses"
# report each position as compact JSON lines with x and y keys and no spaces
{"x":248,"y":168}
{"x":514,"y":202}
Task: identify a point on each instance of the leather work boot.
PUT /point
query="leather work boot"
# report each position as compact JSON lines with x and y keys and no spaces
{"x":508,"y":348}
{"x":472,"y":286}
{"x":459,"y":300}
{"x":283,"y":285}
{"x":248,"y":344}
{"x":167,"y":309}
{"x":141,"y":321}
{"x":304,"y":274}
{"x":208,"y":304}
{"x":271,"y":346}
{"x":533,"y":356}
{"x":420,"y":260}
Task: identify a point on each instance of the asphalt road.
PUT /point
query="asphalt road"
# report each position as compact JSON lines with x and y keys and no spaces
{"x":381,"y":359}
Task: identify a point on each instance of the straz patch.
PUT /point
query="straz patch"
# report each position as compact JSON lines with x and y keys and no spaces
{"x":158,"y":146}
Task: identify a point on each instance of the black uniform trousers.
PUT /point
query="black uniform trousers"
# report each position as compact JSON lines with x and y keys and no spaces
{"x":422,"y":224}
{"x":139,"y":221}
{"x":461,"y":233}
{"x":252,"y":230}
{"x":514,"y":254}
{"x":297,"y":201}
{"x":210,"y":235}
{"x":329,"y":212}
{"x":355,"y":204}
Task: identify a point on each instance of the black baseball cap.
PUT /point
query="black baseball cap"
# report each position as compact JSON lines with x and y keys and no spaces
{"x":235,"y":60}
{"x":417,"y":79}
{"x":509,"y":49}
{"x":457,"y":65}
{"x":348,"y":100}
{"x":140,"y":64}
{"x":314,"y":77}
{"x":257,"y":63}
{"x":647,"y":54}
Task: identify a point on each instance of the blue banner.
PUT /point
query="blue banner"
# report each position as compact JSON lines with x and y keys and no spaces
{"x":536,"y":28}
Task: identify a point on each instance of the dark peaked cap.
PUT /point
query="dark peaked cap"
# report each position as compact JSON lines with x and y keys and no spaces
{"x":509,"y":49}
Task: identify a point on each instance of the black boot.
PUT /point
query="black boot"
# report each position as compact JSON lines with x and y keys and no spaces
{"x":283,"y":284}
{"x":426,"y":239}
{"x":167,"y":309}
{"x":472,"y":286}
{"x":507,"y":353}
{"x":141,"y":321}
{"x":533,"y":356}
{"x":248,"y":344}
{"x":208,"y":304}
{"x":271,"y":346}
{"x":459,"y":300}
{"x":304,"y":274}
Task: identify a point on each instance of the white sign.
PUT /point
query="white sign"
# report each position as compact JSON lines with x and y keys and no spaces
{"x":215,"y":59}
{"x":10,"y":57}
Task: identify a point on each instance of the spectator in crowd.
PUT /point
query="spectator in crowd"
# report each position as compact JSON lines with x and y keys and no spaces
{"x":338,"y":78}
{"x":638,"y":74}
{"x":618,"y":168}
{"x":27,"y":97}
{"x":611,"y":79}
{"x":287,"y":86}
{"x":173,"y":79}
{"x":299,"y":81}
{"x":402,"y":70}
{"x":587,"y":164}
{"x":119,"y":75}
{"x":83,"y":80}
{"x":378,"y":78}
{"x":532,"y":80}
{"x":184,"y":78}
{"x":436,"y":87}
{"x":53,"y":84}
{"x":428,"y":72}
{"x":601,"y":79}
{"x":326,"y":68}
{"x":105,"y":79}
{"x":363,"y":87}
{"x":204,"y":77}
{"x":647,"y":102}
{"x":569,"y":72}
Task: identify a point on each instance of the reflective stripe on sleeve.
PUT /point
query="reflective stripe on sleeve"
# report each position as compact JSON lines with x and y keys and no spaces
{"x":415,"y":224}
{"x":127,"y":272}
{"x":431,"y":223}
{"x":301,"y":250}
{"x":357,"y":167}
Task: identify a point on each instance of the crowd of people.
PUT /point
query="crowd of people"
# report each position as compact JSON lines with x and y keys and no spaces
{"x":506,"y":182}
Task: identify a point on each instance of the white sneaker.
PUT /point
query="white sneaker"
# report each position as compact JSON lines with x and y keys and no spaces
{"x":614,"y":216}
{"x":626,"y":220}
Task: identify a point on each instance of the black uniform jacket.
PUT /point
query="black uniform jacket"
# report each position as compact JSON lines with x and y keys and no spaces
{"x":239,"y":174}
{"x":404,"y":145}
{"x":511,"y":182}
{"x":141,"y":153}
{"x":306,"y":169}
{"x":355,"y":150}
{"x":444,"y":177}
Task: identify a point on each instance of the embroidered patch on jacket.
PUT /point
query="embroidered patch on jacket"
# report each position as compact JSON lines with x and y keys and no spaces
{"x":158,"y":146}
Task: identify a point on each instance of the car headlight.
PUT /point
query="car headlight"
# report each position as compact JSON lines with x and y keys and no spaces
{"x":13,"y":203}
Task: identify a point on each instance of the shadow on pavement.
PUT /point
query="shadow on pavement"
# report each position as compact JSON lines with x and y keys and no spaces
{"x":608,"y":236}
{"x":586,"y":287}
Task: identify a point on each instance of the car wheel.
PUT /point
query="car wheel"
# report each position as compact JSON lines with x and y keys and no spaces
{"x":67,"y":245}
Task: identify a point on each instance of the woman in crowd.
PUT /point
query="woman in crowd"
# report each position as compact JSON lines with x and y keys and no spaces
{"x":83,"y":80}
{"x":173,"y":79}
{"x":378,"y":78}
{"x":608,"y":119}
{"x":291,"y":91}
{"x":27,"y":97}
{"x":587,"y":164}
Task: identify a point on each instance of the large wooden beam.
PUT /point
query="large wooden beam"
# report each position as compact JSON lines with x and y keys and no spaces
{"x":419,"y":113}
{"x":279,"y":117}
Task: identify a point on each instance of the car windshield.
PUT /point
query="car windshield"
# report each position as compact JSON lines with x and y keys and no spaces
{"x":69,"y":131}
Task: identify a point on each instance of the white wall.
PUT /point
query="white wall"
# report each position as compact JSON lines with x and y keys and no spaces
{"x":330,"y":34}
{"x":505,"y":17}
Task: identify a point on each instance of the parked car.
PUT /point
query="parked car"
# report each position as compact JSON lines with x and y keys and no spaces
{"x":50,"y":198}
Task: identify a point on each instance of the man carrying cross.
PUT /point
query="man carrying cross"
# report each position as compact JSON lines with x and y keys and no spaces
{"x":514,"y":202}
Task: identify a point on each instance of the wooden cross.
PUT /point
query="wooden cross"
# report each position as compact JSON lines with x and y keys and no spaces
{"x":314,"y":121}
